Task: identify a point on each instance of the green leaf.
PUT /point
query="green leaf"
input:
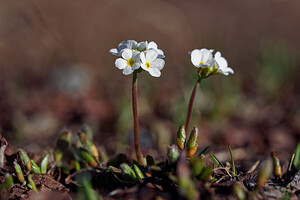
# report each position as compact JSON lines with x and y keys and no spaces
{"x":44,"y":164}
{"x":232,"y":161}
{"x":297,"y":156}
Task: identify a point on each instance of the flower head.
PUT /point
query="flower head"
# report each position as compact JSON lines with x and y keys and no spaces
{"x":129,"y":57}
{"x":129,"y":61}
{"x":222,"y":64}
{"x":153,"y":45}
{"x":202,"y":58}
{"x":208,"y":64}
{"x":151,"y":63}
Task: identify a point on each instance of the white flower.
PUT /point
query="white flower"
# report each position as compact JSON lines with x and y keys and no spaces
{"x":129,"y":62}
{"x":153,"y":45}
{"x":129,"y":44}
{"x":222,"y":64}
{"x":151,"y":62}
{"x":202,"y":58}
{"x":208,"y":65}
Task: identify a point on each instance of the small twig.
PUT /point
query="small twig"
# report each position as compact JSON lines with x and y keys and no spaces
{"x":253,"y":167}
{"x":217,"y":181}
{"x":291,"y":162}
{"x":3,"y":145}
{"x":223,"y":169}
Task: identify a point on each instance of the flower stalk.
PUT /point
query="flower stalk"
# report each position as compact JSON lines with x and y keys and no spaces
{"x":190,"y":108}
{"x":135,"y":120}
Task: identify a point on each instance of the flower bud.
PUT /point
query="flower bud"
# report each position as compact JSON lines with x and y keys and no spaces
{"x":127,"y":172}
{"x":19,"y":172}
{"x":173,"y":154}
{"x":181,"y":137}
{"x":64,"y":139}
{"x":138,"y":172}
{"x":88,"y":145}
{"x":87,"y":130}
{"x":87,"y":157}
{"x":25,"y":159}
{"x":277,"y":166}
{"x":62,"y":144}
{"x":192,"y":144}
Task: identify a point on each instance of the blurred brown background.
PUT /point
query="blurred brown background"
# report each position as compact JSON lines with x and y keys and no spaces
{"x":56,"y":70}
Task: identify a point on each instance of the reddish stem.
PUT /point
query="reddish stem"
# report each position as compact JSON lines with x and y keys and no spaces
{"x":135,"y":120}
{"x":190,"y":108}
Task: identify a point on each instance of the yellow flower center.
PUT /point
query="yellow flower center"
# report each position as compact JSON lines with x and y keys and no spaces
{"x":130,"y":62}
{"x":148,"y":65}
{"x":201,"y":63}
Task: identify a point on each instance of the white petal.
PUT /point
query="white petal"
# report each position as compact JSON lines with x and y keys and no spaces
{"x":206,"y":55}
{"x":160,"y":53}
{"x":226,"y":71}
{"x":127,"y":54}
{"x":136,"y":56}
{"x":132,"y":44}
{"x":196,"y":57}
{"x":230,"y":70}
{"x":158,"y":63}
{"x":218,"y":54}
{"x":136,"y":65}
{"x":143,"y":58}
{"x":222,"y":62}
{"x":123,"y":45}
{"x":210,"y":62}
{"x":152,"y":45}
{"x":114,"y":51}
{"x":128,"y":70}
{"x":142,"y":46}
{"x":154,"y":72}
{"x":151,"y":55}
{"x":121,"y":63}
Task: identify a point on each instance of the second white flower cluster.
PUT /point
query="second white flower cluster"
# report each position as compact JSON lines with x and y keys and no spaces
{"x":133,"y":56}
{"x":208,"y":64}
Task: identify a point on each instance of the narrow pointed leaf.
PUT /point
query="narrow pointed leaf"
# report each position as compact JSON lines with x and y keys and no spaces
{"x":35,"y":168}
{"x":138,"y":172}
{"x":44,"y":164}
{"x":25,"y":159}
{"x":19,"y":172}
{"x":232,"y":161}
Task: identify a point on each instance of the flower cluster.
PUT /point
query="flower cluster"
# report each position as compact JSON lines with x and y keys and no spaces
{"x":133,"y":56}
{"x":208,"y":64}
